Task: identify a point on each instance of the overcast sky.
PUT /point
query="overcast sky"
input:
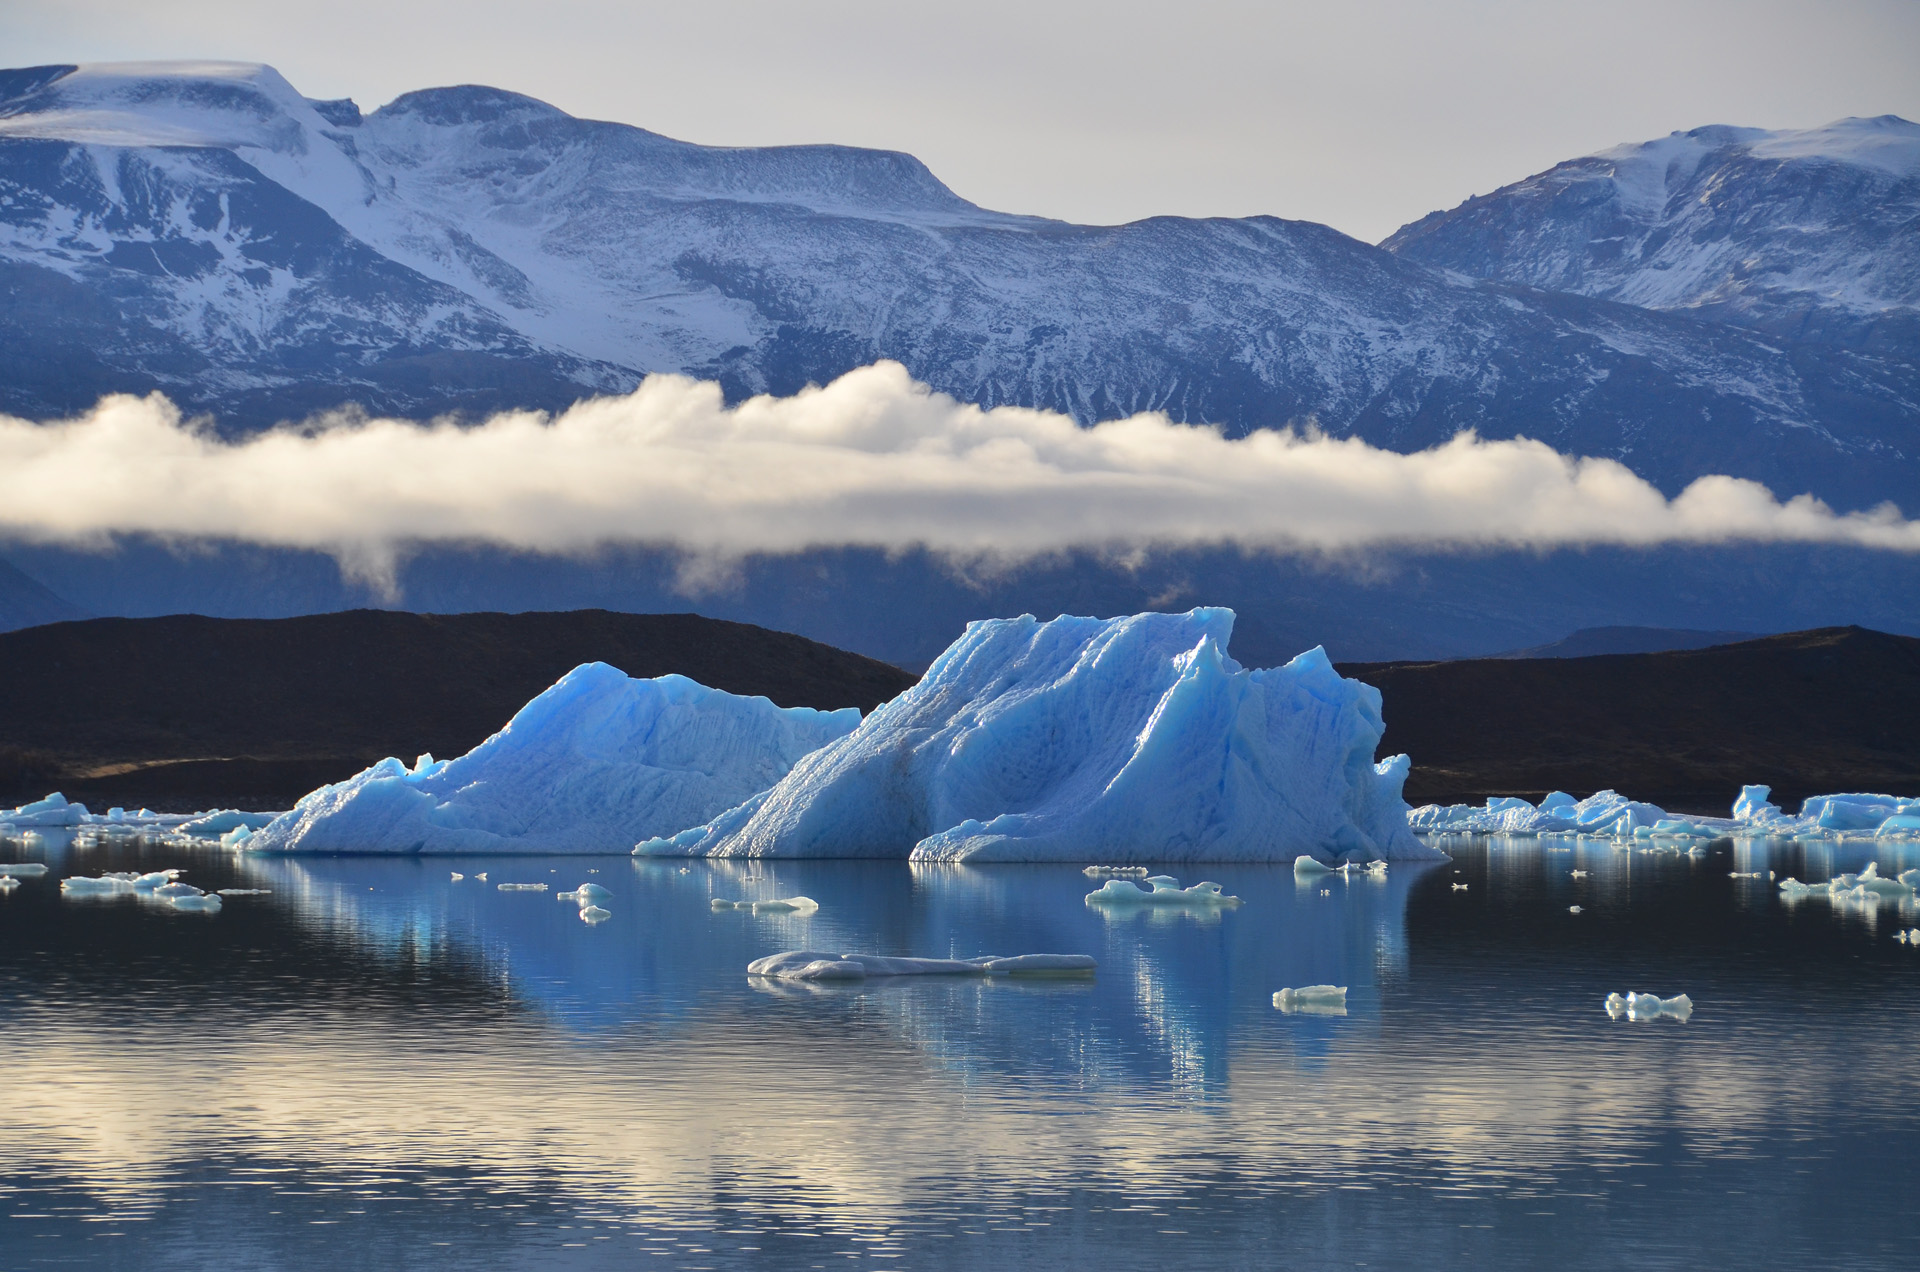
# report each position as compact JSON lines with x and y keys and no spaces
{"x":1362,"y":114}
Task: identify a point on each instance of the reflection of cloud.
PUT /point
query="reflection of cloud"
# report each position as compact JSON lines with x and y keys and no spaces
{"x":873,"y":459}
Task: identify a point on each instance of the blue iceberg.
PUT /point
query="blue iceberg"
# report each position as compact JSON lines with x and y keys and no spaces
{"x":1609,"y":815}
{"x":594,"y":762}
{"x":1119,"y":740}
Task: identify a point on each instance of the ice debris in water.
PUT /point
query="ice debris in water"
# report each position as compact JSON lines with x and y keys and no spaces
{"x":780,"y":905}
{"x":1459,"y":887}
{"x":1306,"y":867}
{"x":810,"y":965}
{"x":23,"y":870}
{"x":587,"y":765}
{"x":594,"y":914}
{"x":1648,"y":1006}
{"x":1128,"y":739}
{"x":457,"y":876}
{"x":521,"y":887}
{"x":1580,"y":874}
{"x":1610,"y":815}
{"x":1165,"y":890}
{"x":1115,"y":872}
{"x":586,"y":894}
{"x":246,"y":892}
{"x":1866,"y":887}
{"x":1322,"y":1000}
{"x":1909,"y":937}
{"x":8,"y":883}
{"x":1573,"y":909}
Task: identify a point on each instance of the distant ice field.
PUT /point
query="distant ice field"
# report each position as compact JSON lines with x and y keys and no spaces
{"x":370,"y":1054}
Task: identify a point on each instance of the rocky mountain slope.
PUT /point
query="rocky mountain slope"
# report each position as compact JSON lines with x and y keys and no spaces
{"x":1808,"y":235}
{"x":205,"y":230}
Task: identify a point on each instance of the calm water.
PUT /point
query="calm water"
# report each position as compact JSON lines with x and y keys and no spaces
{"x":377,"y":1067}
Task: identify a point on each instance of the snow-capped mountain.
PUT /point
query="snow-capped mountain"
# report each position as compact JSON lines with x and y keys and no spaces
{"x":1812,"y":235}
{"x":206,"y":230}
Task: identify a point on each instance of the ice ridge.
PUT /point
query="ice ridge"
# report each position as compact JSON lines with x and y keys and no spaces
{"x":1125,"y":740}
{"x":586,"y":766}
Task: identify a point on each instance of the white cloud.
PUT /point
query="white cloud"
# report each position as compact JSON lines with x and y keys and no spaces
{"x":873,"y":459}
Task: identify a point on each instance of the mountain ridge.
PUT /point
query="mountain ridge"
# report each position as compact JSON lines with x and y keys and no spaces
{"x":205,"y":230}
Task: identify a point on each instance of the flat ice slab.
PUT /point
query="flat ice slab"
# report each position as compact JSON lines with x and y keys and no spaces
{"x":1161,"y":890}
{"x":594,"y":762}
{"x":1648,"y":1006}
{"x":811,"y":965}
{"x":1320,"y":1000}
{"x":1119,"y":740}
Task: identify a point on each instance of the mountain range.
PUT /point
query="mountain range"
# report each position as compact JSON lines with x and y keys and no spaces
{"x":1724,"y":300}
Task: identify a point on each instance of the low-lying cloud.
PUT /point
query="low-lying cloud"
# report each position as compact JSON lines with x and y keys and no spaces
{"x":872,"y":459}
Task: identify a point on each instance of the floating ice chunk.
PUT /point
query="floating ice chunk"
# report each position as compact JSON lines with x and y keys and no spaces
{"x":594,"y":914}
{"x":592,"y":892}
{"x":24,"y":870}
{"x":782,"y":905}
{"x":482,"y":876}
{"x":1459,"y":887}
{"x":52,"y":811}
{"x":589,"y":764}
{"x":1165,"y":890}
{"x":219,"y":824}
{"x":1752,"y":804}
{"x":1324,"y":1000}
{"x":1137,"y":739}
{"x":1648,"y":1006}
{"x":521,"y":887}
{"x":1580,"y":874}
{"x":246,"y":892}
{"x":202,"y":903}
{"x":104,"y":886}
{"x":809,"y":965}
{"x":169,"y":891}
{"x":1115,"y":872}
{"x":1573,"y":909}
{"x":1748,"y":874}
{"x":457,"y":876}
{"x":8,"y":883}
{"x":1307,"y":867}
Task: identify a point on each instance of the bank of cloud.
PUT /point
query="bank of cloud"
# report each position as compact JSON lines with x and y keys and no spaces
{"x":873,"y":459}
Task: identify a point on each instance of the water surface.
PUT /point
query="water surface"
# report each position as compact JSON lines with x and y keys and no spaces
{"x":376,"y":1066}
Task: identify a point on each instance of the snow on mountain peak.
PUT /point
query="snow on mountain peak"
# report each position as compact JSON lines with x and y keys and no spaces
{"x":205,"y":104}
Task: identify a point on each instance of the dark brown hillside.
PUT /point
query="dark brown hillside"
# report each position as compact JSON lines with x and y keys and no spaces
{"x":1834,"y":709}
{"x":187,"y":711}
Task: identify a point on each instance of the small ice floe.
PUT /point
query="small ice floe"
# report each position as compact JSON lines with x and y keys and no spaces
{"x":780,"y":905}
{"x":521,"y":887}
{"x":457,"y":876}
{"x":23,"y":870}
{"x":1164,"y":890}
{"x":1866,"y":887}
{"x":8,"y":883}
{"x":594,"y":914}
{"x":1459,"y":887}
{"x":809,"y":965}
{"x":1743,"y":874}
{"x":1580,"y":874}
{"x":117,"y":883}
{"x":1573,"y":909}
{"x":246,"y":892}
{"x":1115,"y":872}
{"x":1648,"y":1006}
{"x":1317,"y":1000}
{"x":198,"y":903}
{"x":585,"y":895}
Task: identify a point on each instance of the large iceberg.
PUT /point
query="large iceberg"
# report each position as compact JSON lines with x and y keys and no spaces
{"x":1081,"y":739}
{"x":594,"y":762}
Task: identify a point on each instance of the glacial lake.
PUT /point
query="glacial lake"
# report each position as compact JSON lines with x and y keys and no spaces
{"x":375,"y":1066}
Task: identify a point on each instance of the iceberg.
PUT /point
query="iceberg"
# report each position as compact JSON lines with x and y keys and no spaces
{"x":1127,"y":740}
{"x":1166,"y":890}
{"x":591,"y":764}
{"x":810,"y":965}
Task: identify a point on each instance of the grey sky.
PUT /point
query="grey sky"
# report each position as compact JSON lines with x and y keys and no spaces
{"x":1360,"y":113}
